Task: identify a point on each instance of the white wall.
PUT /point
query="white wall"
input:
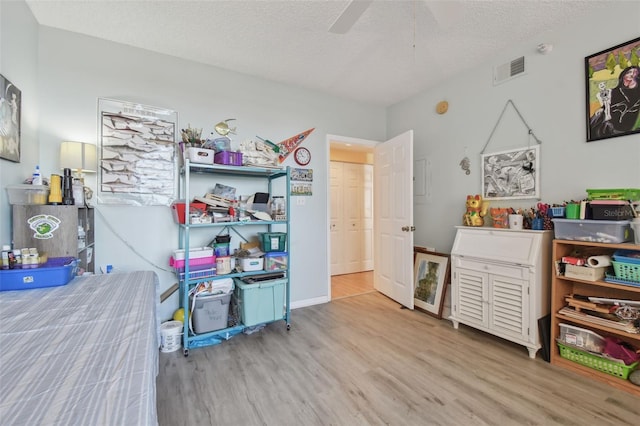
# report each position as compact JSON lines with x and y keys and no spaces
{"x":75,"y":70}
{"x":551,"y":97}
{"x":19,"y":65}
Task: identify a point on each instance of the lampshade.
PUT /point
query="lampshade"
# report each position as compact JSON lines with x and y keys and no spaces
{"x":78,"y":156}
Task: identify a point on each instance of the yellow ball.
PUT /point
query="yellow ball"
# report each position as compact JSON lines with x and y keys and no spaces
{"x":178,"y":315}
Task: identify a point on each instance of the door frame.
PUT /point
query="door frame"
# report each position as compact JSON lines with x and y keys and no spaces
{"x":340,"y":140}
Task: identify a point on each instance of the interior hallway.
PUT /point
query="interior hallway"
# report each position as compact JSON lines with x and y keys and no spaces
{"x":351,"y":284}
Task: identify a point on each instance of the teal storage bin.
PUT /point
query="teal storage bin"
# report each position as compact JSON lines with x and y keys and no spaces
{"x":260,"y":301}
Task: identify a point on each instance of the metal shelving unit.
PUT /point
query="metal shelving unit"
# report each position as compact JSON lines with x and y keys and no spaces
{"x":262,"y":175}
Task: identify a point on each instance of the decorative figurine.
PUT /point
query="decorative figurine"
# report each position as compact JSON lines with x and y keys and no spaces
{"x":476,"y":210}
{"x":223,"y":129}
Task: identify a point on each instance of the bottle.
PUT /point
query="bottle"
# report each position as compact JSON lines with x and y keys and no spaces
{"x":81,"y":238}
{"x":37,"y":177}
{"x":5,"y":256}
{"x":17,"y":254}
{"x":277,"y":208}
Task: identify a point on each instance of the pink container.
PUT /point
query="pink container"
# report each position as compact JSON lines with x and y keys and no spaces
{"x":198,"y":261}
{"x":230,"y":158}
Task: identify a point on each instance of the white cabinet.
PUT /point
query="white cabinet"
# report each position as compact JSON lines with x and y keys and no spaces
{"x":500,"y":282}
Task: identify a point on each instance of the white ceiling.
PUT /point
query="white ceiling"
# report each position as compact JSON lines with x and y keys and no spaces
{"x":395,"y":50}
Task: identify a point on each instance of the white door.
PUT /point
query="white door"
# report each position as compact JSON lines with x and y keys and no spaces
{"x":337,"y":228}
{"x":393,"y":219}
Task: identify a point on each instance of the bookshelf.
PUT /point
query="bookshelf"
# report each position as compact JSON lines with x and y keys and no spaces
{"x":561,"y":286}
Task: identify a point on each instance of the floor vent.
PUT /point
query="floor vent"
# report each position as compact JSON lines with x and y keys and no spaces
{"x":506,"y":72}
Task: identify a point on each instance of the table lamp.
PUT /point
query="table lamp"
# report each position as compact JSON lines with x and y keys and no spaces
{"x":80,"y":157}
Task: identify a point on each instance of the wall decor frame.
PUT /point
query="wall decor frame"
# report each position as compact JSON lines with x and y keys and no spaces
{"x":431,"y":276}
{"x":137,"y":153}
{"x":511,"y":174}
{"x":613,"y":91}
{"x":10,"y":114}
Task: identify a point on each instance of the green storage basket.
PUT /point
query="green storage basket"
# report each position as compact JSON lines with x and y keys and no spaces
{"x":596,"y":362}
{"x":627,"y":271}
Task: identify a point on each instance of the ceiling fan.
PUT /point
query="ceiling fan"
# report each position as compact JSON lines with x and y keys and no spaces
{"x":445,"y":13}
{"x":349,"y":16}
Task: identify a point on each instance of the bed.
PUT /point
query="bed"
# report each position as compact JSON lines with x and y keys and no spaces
{"x":81,"y":354}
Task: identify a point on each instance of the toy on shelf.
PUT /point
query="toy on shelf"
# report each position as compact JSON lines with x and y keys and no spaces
{"x":476,"y":210}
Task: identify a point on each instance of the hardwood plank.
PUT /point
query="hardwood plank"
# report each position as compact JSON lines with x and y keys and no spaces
{"x":348,"y":285}
{"x":365,"y":361}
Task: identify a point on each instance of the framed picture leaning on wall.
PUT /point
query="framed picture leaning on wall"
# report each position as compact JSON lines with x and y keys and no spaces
{"x":431,"y":276}
{"x":613,"y":91}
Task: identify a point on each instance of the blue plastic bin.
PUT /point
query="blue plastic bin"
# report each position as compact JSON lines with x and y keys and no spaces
{"x":55,"y":272}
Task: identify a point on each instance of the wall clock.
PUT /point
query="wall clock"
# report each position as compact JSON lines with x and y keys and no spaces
{"x":302,"y":156}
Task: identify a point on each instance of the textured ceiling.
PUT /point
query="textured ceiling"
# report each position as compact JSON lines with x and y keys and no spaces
{"x":395,"y":49}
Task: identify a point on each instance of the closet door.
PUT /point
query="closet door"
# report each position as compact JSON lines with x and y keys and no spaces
{"x":352,"y":213}
{"x":337,"y":245}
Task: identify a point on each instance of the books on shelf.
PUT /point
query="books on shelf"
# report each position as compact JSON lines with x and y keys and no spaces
{"x":602,"y":319}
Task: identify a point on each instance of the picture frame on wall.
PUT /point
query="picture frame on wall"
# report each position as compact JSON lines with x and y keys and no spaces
{"x":431,"y":276}
{"x":10,"y":114}
{"x":511,"y":174}
{"x":613,"y":91}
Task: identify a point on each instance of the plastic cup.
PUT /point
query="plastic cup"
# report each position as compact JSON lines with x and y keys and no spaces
{"x":573,"y":211}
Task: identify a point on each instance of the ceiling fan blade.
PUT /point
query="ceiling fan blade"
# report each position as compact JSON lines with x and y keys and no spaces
{"x":349,"y":16}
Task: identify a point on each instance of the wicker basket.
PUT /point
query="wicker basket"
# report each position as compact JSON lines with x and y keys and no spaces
{"x":627,"y":271}
{"x":596,"y":362}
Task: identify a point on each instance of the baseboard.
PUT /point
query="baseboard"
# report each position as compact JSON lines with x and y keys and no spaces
{"x":309,"y":302}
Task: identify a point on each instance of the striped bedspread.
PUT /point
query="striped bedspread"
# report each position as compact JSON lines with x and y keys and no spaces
{"x":81,"y":354}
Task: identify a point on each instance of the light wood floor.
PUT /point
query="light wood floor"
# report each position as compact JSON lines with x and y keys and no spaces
{"x":365,"y":361}
{"x":351,"y":284}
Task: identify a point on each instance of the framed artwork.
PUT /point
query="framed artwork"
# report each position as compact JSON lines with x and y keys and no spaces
{"x":511,"y":174}
{"x":613,"y":91}
{"x":431,"y":276}
{"x":137,"y":154}
{"x":10,"y":104}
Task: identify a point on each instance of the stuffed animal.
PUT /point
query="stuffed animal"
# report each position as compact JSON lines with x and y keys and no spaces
{"x":476,"y":210}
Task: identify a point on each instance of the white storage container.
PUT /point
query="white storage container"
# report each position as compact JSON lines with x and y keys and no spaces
{"x":194,"y":253}
{"x":200,"y":155}
{"x":581,"y":338}
{"x":25,"y":194}
{"x":248,"y":264}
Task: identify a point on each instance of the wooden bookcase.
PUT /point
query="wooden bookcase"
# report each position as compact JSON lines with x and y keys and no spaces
{"x":562,"y":286}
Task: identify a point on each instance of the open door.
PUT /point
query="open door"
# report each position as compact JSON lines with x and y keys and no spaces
{"x":393,"y":219}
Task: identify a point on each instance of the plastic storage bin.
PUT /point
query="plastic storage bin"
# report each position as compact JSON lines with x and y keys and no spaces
{"x":56,"y":271}
{"x":248,"y":264}
{"x":275,"y":261}
{"x":230,"y":158}
{"x":596,"y":362}
{"x":273,"y":241}
{"x":194,"y":208}
{"x":601,"y":231}
{"x":25,"y":194}
{"x":200,"y":155}
{"x":581,"y":338}
{"x":211,"y":312}
{"x":260,"y":301}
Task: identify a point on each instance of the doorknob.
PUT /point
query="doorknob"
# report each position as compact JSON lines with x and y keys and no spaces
{"x":408,"y":228}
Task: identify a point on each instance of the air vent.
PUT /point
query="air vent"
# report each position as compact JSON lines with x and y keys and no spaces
{"x":506,"y":72}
